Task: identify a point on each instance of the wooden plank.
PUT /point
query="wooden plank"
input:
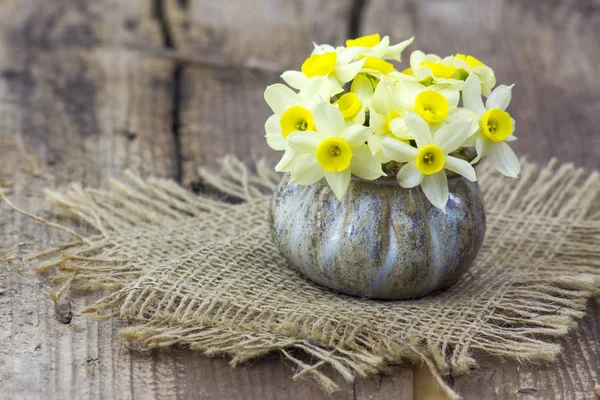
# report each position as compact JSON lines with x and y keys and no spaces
{"x":573,"y":376}
{"x":74,"y":23}
{"x":222,"y":111}
{"x":74,"y":106}
{"x":268,"y":34}
{"x":549,"y":49}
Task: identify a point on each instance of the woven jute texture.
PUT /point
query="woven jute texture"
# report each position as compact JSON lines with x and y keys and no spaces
{"x":202,"y":271}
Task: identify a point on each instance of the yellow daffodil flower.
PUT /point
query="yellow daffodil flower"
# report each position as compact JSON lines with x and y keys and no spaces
{"x":375,"y":51}
{"x":425,"y":164}
{"x":429,"y":69}
{"x":466,"y":65}
{"x":374,"y":46}
{"x":334,"y":150}
{"x":291,"y":112}
{"x":354,"y":103}
{"x":496,"y":127}
{"x":436,"y":104}
{"x":330,"y":67}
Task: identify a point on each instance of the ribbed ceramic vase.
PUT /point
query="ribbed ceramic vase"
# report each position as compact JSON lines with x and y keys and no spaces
{"x":380,"y":241}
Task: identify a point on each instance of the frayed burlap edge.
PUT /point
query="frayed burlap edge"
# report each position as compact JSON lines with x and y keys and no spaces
{"x":576,"y":282}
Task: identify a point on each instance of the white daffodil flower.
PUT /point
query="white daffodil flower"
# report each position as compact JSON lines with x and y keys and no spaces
{"x":354,"y":104}
{"x":292,"y":112}
{"x":496,"y":127}
{"x":383,"y":115}
{"x":467,"y":65}
{"x":429,"y":69}
{"x":330,"y":67}
{"x":375,"y":51}
{"x":425,"y":164}
{"x":436,"y":104}
{"x":374,"y":46}
{"x":334,"y":151}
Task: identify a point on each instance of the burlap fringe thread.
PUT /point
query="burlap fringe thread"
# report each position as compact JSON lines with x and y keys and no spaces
{"x":544,"y":228}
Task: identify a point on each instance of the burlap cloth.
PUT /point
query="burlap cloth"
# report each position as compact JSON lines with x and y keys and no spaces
{"x":202,"y":271}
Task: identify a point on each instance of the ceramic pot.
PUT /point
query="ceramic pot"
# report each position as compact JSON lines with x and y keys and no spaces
{"x":381,"y":241}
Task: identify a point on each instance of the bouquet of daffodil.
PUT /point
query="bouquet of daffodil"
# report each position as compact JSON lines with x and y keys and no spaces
{"x":354,"y":113}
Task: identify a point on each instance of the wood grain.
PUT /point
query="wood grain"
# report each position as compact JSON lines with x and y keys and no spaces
{"x":74,"y":106}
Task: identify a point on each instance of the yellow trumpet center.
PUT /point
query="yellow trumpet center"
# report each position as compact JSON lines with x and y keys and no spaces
{"x":472,"y":61}
{"x":296,"y":118}
{"x":378,"y":65}
{"x":439,"y":70}
{"x":334,"y":154}
{"x":349,"y":104}
{"x":431,"y":106}
{"x":496,"y":124}
{"x":364,"y":41}
{"x":430,"y":159}
{"x":319,"y":64}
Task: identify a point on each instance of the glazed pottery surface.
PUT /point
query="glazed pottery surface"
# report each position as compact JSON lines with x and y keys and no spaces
{"x":381,"y":240}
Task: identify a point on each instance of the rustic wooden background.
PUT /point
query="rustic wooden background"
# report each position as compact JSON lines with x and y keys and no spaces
{"x":89,"y":88}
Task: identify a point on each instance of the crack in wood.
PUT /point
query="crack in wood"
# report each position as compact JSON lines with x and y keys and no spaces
{"x":356,"y":16}
{"x":168,"y":42}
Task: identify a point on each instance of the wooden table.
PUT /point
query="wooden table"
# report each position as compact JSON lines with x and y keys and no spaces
{"x":89,"y":88}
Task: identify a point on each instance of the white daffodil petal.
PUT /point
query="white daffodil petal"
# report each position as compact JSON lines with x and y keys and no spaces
{"x":409,"y":175}
{"x":463,"y":114}
{"x":481,"y":147}
{"x":280,"y":97}
{"x":399,"y":129}
{"x":499,"y":98}
{"x":310,"y":91}
{"x":306,"y":170}
{"x":329,"y":119}
{"x":339,"y":182}
{"x":470,"y":141}
{"x":276,"y":141}
{"x":356,"y":135}
{"x":395,"y":52}
{"x":435,"y":188}
{"x":501,"y":157}
{"x":416,"y":58}
{"x":451,"y":137}
{"x":272,"y":124}
{"x":472,"y":95}
{"x":406,"y":92}
{"x":461,"y":167}
{"x":377,"y":122}
{"x":362,"y":88}
{"x":295,"y":79}
{"x":364,"y":165}
{"x":360,"y":116}
{"x":345,"y":73}
{"x":287,"y":161}
{"x":419,"y":128}
{"x":398,"y":150}
{"x":511,"y":138}
{"x":487,"y":78}
{"x":330,"y":87}
{"x":383,"y":99}
{"x":375,"y":145}
{"x":304,"y":141}
{"x":514,"y":126}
